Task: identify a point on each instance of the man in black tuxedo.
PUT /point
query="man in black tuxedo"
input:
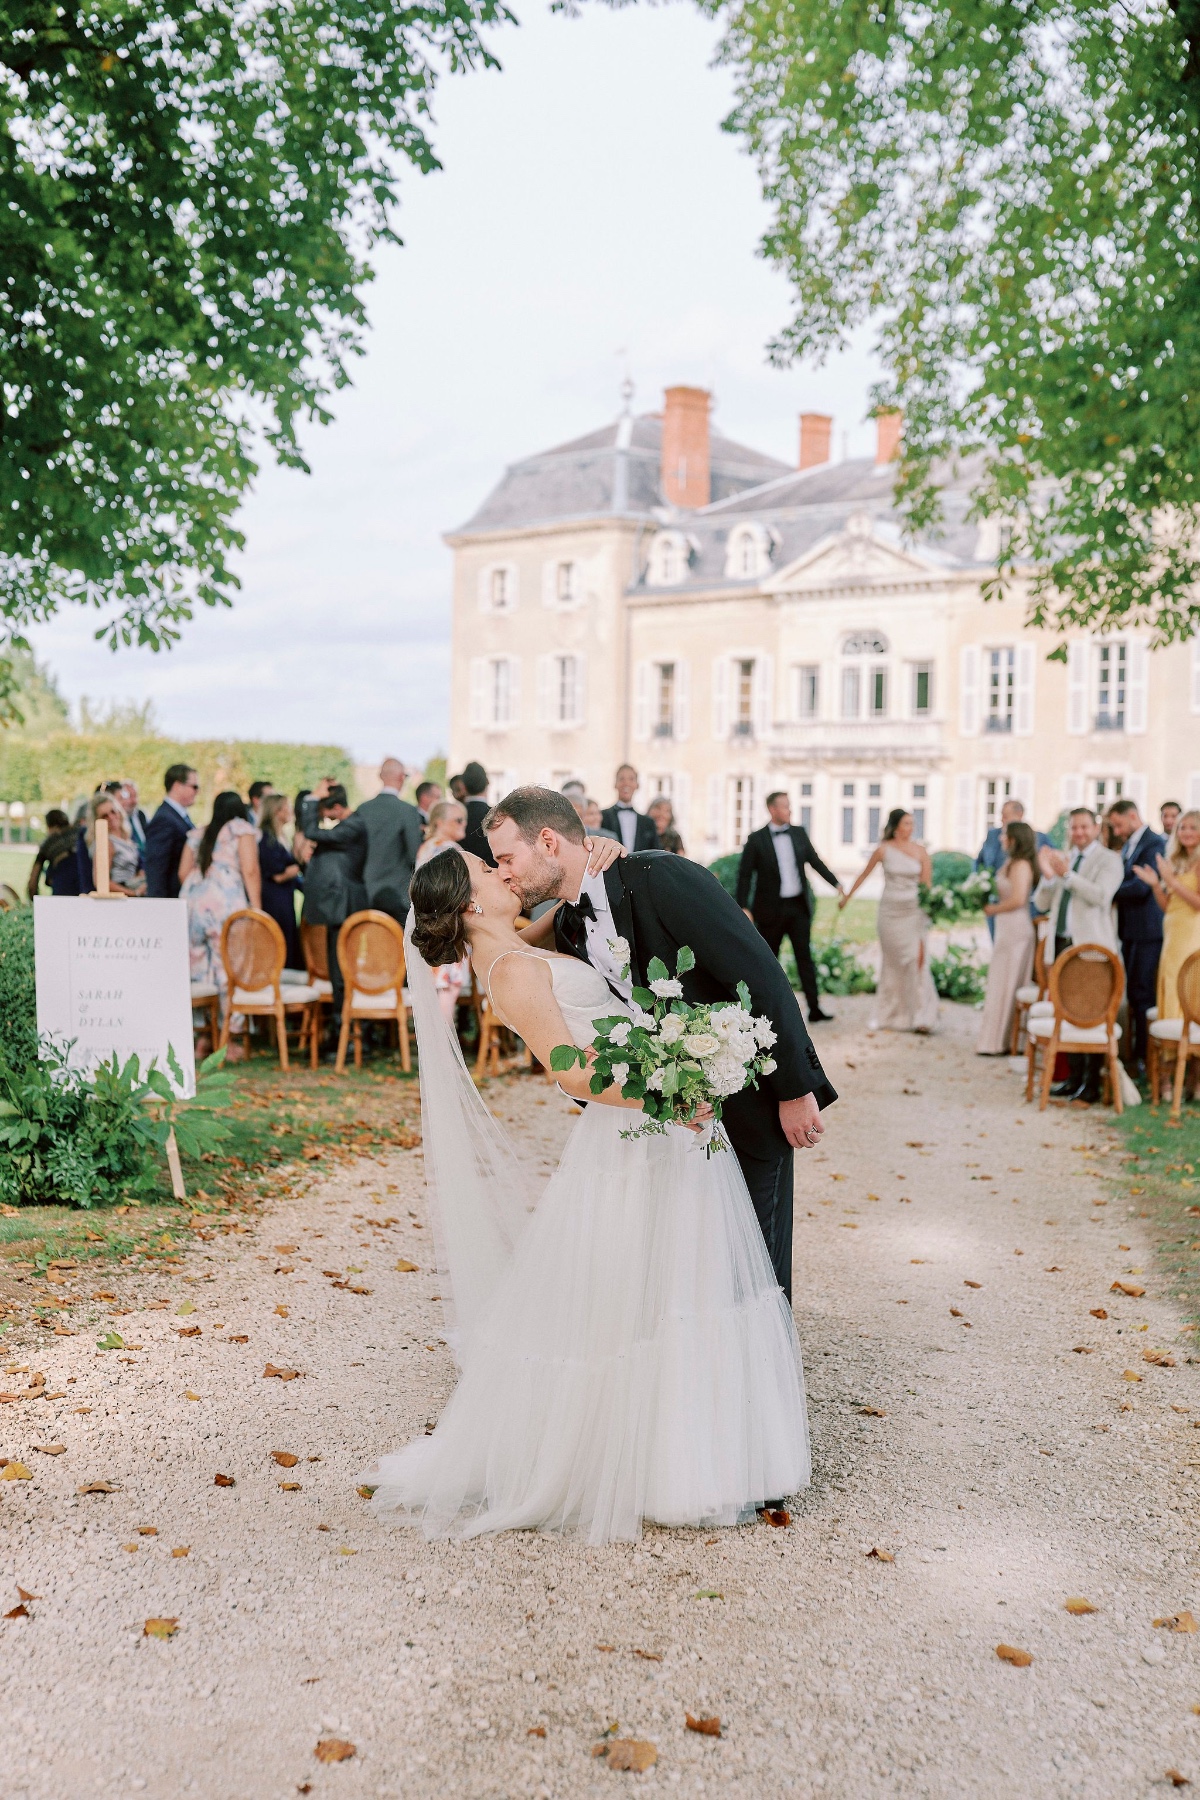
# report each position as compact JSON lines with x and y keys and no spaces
{"x":1139,"y":920}
{"x":333,"y":884}
{"x":475,"y":785}
{"x":166,"y":834}
{"x":656,"y":902}
{"x":637,"y":831}
{"x":390,"y":830}
{"x":772,"y":889}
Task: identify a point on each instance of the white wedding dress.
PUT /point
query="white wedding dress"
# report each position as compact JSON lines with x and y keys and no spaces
{"x":630,"y":1355}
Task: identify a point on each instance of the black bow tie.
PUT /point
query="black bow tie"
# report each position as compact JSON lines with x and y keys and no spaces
{"x":574,"y":912}
{"x":780,"y":830}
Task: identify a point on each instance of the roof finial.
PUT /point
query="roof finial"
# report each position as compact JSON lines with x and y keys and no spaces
{"x":627,"y":388}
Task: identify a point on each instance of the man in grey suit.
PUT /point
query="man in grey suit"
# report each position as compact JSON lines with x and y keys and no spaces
{"x":391,"y":831}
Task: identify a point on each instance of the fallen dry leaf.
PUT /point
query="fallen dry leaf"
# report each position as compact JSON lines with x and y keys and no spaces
{"x":188,"y":1330}
{"x":1020,"y":1659}
{"x":281,"y":1312}
{"x":286,"y":1249}
{"x":282,"y":1374}
{"x":880,"y":1555}
{"x":707,"y":1727}
{"x":224,"y":1481}
{"x":1078,"y":1607}
{"x":96,"y":1487}
{"x":974,"y":1284}
{"x":290,"y":1487}
{"x":1099,"y":1312}
{"x":536,"y":1731}
{"x":17,"y":1471}
{"x":331,"y":1750}
{"x":1128,"y":1288}
{"x":1129,"y":1375}
{"x":364,"y":1492}
{"x":1182,"y":1621}
{"x":779,"y":1516}
{"x":630,"y":1753}
{"x":406,"y":1267}
{"x":147,"y":1530}
{"x":51,"y":1449}
{"x":24,"y":1594}
{"x":284,"y":1458}
{"x":131,"y":1547}
{"x":916,"y":1259}
{"x":1083,"y":1349}
{"x":160,"y":1628}
{"x":241,"y":1338}
{"x":1159,"y":1358}
{"x":19,"y":1612}
{"x":872,"y":1412}
{"x":1175,"y":1778}
{"x":188,"y":1394}
{"x":181,"y":1550}
{"x":189,"y":1306}
{"x":956,"y":1312}
{"x":649,"y":1655}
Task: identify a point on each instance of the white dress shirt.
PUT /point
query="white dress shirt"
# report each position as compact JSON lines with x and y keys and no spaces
{"x":599,"y":933}
{"x":785,"y":856}
{"x":627,"y":824}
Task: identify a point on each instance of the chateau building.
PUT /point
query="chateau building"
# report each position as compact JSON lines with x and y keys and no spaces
{"x":656,"y":594}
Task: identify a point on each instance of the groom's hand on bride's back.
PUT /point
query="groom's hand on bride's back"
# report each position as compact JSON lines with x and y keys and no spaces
{"x":800,"y":1121}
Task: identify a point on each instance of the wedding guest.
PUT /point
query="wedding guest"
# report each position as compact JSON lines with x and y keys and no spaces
{"x":474,"y":781}
{"x":1012,"y":957}
{"x":458,"y":789}
{"x":127,"y":799}
{"x":333,"y":884}
{"x":1139,"y":920}
{"x":219,"y":875}
{"x":55,"y":857}
{"x":591,"y":816}
{"x":1077,"y":890}
{"x":633,"y":828}
{"x":124,"y":863}
{"x":280,"y":874}
{"x":1168,"y":816}
{"x":427,"y":797}
{"x":662,"y":813}
{"x":907,"y":999}
{"x":167,"y":832}
{"x":257,"y":793}
{"x":1175,"y":883}
{"x":390,"y":830}
{"x":993,"y":851}
{"x":446,"y":830}
{"x":772,"y":890}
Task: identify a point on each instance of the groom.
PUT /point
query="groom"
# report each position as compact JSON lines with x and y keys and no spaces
{"x":656,"y":903}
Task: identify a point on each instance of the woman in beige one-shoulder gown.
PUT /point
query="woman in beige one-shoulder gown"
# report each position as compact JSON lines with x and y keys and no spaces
{"x":907,"y":999}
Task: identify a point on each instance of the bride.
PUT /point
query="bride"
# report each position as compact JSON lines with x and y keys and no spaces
{"x":625,"y":1351}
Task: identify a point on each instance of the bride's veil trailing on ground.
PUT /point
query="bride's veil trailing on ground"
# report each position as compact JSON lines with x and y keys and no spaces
{"x":478,"y":1192}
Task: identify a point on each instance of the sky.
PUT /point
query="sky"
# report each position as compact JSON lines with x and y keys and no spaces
{"x":590,"y":220}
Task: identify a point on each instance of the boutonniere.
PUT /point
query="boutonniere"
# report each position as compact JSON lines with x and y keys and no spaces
{"x":619,"y":950}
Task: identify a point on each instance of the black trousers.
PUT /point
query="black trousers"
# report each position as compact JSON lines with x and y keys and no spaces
{"x":1141,"y":987}
{"x":771,"y":1181}
{"x":335,"y":974}
{"x":792,"y":919}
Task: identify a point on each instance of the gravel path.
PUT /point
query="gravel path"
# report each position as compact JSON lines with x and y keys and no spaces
{"x":949,"y":1257}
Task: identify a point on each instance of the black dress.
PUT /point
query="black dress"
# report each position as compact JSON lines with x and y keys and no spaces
{"x":278,"y":896}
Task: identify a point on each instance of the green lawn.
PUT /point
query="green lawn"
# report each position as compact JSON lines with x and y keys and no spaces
{"x":856,"y":925}
{"x":1161,"y":1181}
{"x":14,"y":865}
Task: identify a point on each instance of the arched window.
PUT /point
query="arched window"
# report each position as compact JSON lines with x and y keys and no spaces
{"x":864,"y":683}
{"x":748,"y":552}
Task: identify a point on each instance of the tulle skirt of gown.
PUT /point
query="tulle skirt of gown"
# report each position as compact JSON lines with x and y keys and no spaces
{"x":637,"y":1361}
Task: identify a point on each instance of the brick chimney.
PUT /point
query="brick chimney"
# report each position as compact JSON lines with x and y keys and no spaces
{"x":816,"y":429}
{"x":685,"y":457}
{"x":888,"y":429}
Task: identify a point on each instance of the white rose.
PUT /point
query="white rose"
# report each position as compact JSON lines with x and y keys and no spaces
{"x":644,"y":1019}
{"x":701,"y":1043}
{"x":620,"y":1073}
{"x":671,"y":1029}
{"x":769,"y":1067}
{"x":655,"y":1081}
{"x":619,"y":1035}
{"x":764,"y":1032}
{"x":620,"y":949}
{"x":669,"y":989}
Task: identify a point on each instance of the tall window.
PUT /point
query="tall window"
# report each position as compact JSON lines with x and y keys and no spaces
{"x":1110,"y":687}
{"x":501,"y":691}
{"x":743,"y":710}
{"x":851,"y":691}
{"x":995,"y":792}
{"x":847,"y":812}
{"x":664,"y":700}
{"x":922,"y":689}
{"x":918,"y":811}
{"x":864,"y":679}
{"x":1103,"y":790}
{"x":501,"y":589}
{"x":807,"y":690}
{"x":1001,"y":671}
{"x":567,"y":692}
{"x":806,"y":811}
{"x":740,"y":792}
{"x":874,"y":811}
{"x":877,"y":689}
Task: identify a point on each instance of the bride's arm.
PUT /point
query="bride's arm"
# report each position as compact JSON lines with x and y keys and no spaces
{"x":524,"y":996}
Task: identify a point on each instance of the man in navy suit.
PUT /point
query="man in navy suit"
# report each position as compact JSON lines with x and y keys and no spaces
{"x":166,"y":834}
{"x":993,"y":855}
{"x":637,"y":831}
{"x":1139,"y":920}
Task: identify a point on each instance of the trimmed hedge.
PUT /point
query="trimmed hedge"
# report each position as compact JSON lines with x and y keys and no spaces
{"x":62,"y":766}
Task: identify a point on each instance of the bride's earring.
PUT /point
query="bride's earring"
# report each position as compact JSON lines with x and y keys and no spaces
{"x":474,"y":907}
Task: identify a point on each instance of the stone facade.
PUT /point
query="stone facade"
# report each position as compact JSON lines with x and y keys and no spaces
{"x":785,"y":633}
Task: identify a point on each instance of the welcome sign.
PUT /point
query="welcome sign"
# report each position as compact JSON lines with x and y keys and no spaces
{"x":112,"y":978}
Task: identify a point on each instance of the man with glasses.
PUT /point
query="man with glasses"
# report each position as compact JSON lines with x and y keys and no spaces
{"x":166,"y":834}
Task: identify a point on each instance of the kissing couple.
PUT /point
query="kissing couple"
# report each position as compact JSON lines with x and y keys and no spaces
{"x":624,"y":1336}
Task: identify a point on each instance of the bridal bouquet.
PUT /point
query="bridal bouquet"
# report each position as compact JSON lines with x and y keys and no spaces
{"x":674,"y":1057}
{"x":948,"y":903}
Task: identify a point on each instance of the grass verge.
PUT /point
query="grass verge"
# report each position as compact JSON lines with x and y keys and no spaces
{"x":1161,"y":1177}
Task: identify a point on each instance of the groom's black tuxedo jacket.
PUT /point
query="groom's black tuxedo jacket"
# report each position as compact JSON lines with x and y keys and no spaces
{"x":660,"y":902}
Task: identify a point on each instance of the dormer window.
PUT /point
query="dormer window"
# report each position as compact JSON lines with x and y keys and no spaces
{"x":670,"y":556}
{"x":748,"y":552}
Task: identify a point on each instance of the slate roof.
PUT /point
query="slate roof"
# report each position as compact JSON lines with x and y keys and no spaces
{"x":611,"y":471}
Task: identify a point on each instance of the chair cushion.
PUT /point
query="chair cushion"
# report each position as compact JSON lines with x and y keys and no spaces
{"x":1028,"y":994}
{"x":324,"y":988}
{"x":1169,"y":1031}
{"x":374,"y":1003}
{"x":1041,"y":1009}
{"x":1152,"y":1012}
{"x":1043,"y":1027}
{"x":204,"y":990}
{"x":292,"y":995}
{"x":293,"y":978}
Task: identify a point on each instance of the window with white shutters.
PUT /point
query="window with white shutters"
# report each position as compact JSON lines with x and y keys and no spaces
{"x":566,"y":692}
{"x":502,"y":692}
{"x":1000,"y":689}
{"x":743,"y":697}
{"x":498,"y":588}
{"x":921,"y":693}
{"x":1112,"y":662}
{"x":806,"y":691}
{"x":664,"y":700}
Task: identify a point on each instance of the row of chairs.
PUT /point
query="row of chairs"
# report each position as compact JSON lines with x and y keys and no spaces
{"x":370,"y":951}
{"x":1073,"y":1007}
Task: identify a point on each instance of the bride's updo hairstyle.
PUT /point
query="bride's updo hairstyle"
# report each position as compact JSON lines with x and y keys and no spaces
{"x":440,"y":894}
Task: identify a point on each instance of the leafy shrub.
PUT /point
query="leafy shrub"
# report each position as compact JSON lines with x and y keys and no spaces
{"x":18,"y":1007}
{"x":839,"y":970}
{"x":726,"y":871}
{"x":959,"y":975}
{"x":950,"y":867}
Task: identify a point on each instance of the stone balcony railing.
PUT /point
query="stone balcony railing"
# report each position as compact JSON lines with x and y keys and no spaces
{"x":872,"y":743}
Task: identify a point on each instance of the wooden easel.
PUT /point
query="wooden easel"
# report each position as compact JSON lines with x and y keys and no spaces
{"x":101,"y":868}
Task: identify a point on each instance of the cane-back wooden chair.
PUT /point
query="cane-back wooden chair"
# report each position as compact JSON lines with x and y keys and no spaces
{"x":314,"y":945}
{"x":253,"y":949}
{"x":1176,"y":1038}
{"x":1031,"y":991}
{"x":1087,"y":985}
{"x":370,"y":949}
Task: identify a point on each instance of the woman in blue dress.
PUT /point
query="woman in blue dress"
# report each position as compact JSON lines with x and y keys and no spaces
{"x":280,"y":874}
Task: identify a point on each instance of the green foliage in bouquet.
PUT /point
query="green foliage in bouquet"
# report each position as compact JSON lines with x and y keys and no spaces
{"x":959,"y":975}
{"x":946,"y":904}
{"x":71,"y":1139}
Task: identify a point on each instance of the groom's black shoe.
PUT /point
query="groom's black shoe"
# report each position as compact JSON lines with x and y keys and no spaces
{"x":821,"y":1018}
{"x":1066,"y":1090}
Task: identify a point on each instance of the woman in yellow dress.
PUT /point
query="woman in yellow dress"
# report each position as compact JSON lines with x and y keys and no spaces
{"x":1176,"y":887}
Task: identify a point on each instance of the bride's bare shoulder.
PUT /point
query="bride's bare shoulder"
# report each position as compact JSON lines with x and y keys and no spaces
{"x":519,"y":972}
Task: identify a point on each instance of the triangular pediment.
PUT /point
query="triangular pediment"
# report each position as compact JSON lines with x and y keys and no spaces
{"x":864,"y":553}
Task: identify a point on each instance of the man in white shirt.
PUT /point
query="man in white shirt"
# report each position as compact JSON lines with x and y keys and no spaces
{"x":772,"y":889}
{"x":635,"y":830}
